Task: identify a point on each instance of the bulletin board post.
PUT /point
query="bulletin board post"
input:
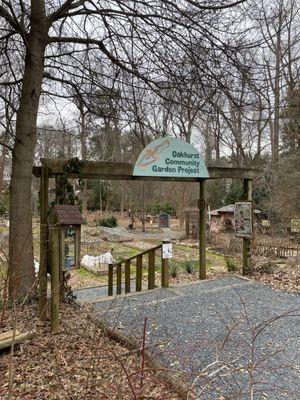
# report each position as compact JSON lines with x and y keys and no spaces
{"x":165,"y":256}
{"x":247,"y":268}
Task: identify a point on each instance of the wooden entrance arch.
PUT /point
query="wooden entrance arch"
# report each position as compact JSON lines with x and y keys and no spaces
{"x":53,"y":168}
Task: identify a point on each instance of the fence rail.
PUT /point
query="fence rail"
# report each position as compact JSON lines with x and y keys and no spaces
{"x":123,"y":269}
{"x":277,"y":250}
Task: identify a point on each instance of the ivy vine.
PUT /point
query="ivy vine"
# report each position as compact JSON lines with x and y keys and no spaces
{"x":64,"y":189}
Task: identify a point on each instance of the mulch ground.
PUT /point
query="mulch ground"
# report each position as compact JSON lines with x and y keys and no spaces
{"x":284,"y":277}
{"x":79,"y":362}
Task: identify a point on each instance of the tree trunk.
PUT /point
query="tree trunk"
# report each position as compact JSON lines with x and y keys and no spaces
{"x":278,"y":62}
{"x":122,"y":200}
{"x":21,"y":268}
{"x":217,"y":137}
{"x":83,"y":142}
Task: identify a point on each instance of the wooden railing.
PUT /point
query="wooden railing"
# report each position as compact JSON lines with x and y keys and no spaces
{"x":123,"y":268}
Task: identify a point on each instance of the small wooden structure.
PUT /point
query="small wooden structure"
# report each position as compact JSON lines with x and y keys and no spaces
{"x":64,"y":233}
{"x":220,"y":220}
{"x":68,"y":220}
{"x":164,"y":220}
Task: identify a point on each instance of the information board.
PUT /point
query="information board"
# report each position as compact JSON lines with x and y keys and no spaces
{"x":167,"y":250}
{"x":243,"y":219}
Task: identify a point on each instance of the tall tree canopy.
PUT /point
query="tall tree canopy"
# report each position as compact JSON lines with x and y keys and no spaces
{"x":48,"y":45}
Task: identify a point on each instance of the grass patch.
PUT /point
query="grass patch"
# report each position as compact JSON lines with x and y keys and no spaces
{"x":209,"y":264}
{"x":85,"y":273}
{"x":231,"y":264}
{"x":174,"y":268}
{"x":215,"y":256}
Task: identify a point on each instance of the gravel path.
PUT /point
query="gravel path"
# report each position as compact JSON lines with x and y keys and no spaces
{"x":227,"y":338}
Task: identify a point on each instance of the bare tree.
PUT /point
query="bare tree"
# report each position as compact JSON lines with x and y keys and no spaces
{"x":44,"y":38}
{"x":279,"y":27}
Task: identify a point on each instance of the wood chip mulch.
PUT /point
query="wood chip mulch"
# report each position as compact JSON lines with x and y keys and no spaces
{"x":285,"y":278}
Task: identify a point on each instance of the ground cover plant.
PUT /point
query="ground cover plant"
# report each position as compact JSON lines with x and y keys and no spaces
{"x":109,"y":222}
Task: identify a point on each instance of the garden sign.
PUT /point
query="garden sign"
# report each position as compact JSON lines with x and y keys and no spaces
{"x":170,"y":157}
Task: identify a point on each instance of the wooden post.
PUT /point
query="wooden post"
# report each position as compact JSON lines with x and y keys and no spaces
{"x":61,"y":262}
{"x":119,"y":278}
{"x":55,"y":282}
{"x":139,"y":270}
{"x":202,"y":230}
{"x":164,"y":268}
{"x":59,"y":199}
{"x":110,"y":279}
{"x":151,"y":269}
{"x":77,"y":246}
{"x":247,"y":195}
{"x":187,"y":224}
{"x":127,"y":276}
{"x":43,"y":244}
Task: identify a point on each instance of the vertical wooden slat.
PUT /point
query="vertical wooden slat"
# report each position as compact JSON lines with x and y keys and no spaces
{"x":62,"y":263}
{"x":77,"y":246}
{"x":55,"y":283}
{"x":110,"y":279}
{"x":151,"y":269}
{"x":139,"y":266}
{"x":164,"y":269}
{"x":119,"y":278}
{"x":127,"y":276}
{"x":44,"y":246}
{"x":247,"y":268}
{"x":202,"y":230}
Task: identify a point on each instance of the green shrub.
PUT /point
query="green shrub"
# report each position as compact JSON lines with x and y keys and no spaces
{"x":231,"y":265}
{"x":162,"y":207}
{"x":109,"y":222}
{"x":189,"y":267}
{"x":174,"y":270}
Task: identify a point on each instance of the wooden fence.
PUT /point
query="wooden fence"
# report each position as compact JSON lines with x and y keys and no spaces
{"x":123,"y":269}
{"x":278,"y":250}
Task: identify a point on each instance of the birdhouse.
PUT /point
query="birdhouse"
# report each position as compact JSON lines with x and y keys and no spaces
{"x":65,"y":234}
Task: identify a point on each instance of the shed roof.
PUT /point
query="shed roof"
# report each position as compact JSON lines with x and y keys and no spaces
{"x":227,"y":209}
{"x":68,"y":215}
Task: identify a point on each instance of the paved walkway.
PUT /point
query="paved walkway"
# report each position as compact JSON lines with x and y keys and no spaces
{"x":226,"y":337}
